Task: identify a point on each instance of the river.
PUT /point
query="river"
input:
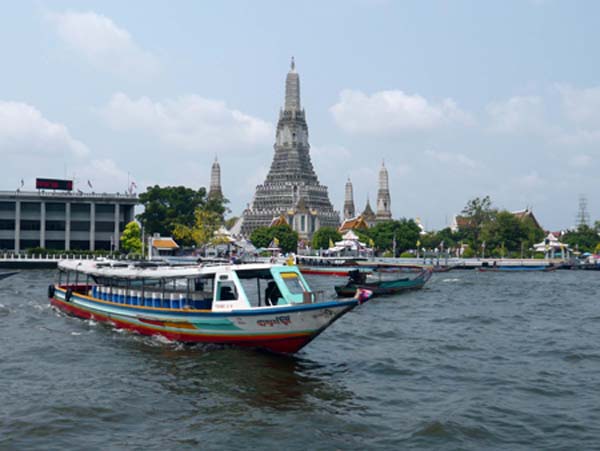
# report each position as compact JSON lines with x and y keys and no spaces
{"x":473,"y":361}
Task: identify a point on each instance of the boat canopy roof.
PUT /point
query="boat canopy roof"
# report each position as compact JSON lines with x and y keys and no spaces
{"x":143,"y":270}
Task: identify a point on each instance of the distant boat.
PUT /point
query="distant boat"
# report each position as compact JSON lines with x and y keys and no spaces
{"x":329,"y":266}
{"x":4,"y":275}
{"x":515,"y":268}
{"x":381,"y":284}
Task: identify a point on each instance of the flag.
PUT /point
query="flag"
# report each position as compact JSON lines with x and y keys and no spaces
{"x":418,"y":242}
{"x":22,"y":183}
{"x":331,"y":243}
{"x":275,"y":242}
{"x":371,"y":242}
{"x":90,"y":184}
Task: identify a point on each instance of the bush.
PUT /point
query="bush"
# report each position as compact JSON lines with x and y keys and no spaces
{"x":407,"y":255}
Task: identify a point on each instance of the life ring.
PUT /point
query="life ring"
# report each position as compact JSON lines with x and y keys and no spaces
{"x":68,"y":295}
{"x":51,"y":291}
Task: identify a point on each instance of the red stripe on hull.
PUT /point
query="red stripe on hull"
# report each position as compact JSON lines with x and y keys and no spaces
{"x":285,"y":344}
{"x":324,"y":272}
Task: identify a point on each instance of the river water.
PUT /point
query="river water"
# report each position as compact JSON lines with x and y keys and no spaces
{"x":472,"y":361}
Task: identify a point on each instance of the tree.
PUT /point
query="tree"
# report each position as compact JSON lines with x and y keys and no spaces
{"x":288,"y":238}
{"x":323,"y":236}
{"x":405,"y":231}
{"x":263,"y":236}
{"x":584,"y":238}
{"x":131,"y":239}
{"x":476,"y":213}
{"x":202,"y":232}
{"x":230,"y":222}
{"x":166,"y":207}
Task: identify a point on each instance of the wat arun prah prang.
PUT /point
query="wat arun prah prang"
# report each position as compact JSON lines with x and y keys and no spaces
{"x":291,"y":191}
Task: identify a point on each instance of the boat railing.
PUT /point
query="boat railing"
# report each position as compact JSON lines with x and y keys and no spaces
{"x":176,"y":299}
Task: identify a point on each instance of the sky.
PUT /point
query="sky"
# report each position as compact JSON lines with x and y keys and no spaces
{"x":460,"y":99}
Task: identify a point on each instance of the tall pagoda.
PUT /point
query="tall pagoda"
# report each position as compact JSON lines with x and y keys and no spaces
{"x":291,"y":189}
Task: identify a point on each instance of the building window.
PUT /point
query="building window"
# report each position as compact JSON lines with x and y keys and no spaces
{"x":80,"y":245}
{"x":102,"y":245}
{"x":7,"y":244}
{"x":55,"y":225}
{"x":28,"y":224}
{"x":80,"y":226}
{"x":105,"y":226}
{"x":105,"y":208}
{"x":33,"y":207}
{"x":55,"y":207}
{"x":80,"y":208}
{"x":10,"y":206}
{"x":28,"y":244}
{"x":55,"y":244}
{"x":7,"y":224}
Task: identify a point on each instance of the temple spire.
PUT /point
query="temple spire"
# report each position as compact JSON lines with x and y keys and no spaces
{"x":292,"y":89}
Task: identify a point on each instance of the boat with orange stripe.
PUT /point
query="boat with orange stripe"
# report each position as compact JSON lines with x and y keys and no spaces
{"x":257,"y":305}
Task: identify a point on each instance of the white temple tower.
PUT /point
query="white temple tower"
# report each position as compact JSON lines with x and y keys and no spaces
{"x":384,"y":212}
{"x":349,"y":211}
{"x":215,"y":181}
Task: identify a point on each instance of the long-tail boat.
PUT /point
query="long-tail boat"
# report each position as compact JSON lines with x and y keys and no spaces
{"x":382,"y":283}
{"x":201,"y":304}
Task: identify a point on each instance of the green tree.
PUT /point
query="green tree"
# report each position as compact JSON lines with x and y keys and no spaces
{"x":434,"y":240}
{"x":202,"y":232}
{"x":321,"y":237}
{"x":288,"y":239}
{"x":584,"y":238}
{"x":476,"y":213}
{"x":263,"y":236}
{"x":166,"y":207}
{"x":230,"y":222}
{"x":131,"y":239}
{"x":405,"y":231}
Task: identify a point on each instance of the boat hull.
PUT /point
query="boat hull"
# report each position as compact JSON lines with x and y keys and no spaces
{"x":284,"y":329}
{"x":341,"y":271}
{"x":384,"y":288}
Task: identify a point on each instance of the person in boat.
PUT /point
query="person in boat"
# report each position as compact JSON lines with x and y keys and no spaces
{"x":272,"y":293}
{"x":357,"y":277}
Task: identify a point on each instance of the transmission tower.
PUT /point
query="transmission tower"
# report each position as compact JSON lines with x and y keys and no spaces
{"x":583,"y":217}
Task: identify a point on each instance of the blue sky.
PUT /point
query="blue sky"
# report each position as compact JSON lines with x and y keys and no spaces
{"x":460,"y":98}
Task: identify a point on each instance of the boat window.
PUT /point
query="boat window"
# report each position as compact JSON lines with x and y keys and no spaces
{"x":293,"y":282}
{"x":226,"y":291}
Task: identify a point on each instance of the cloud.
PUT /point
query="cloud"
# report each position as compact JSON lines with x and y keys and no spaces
{"x":105,"y":45}
{"x":393,"y":111}
{"x":458,"y":159}
{"x":517,"y":115}
{"x":581,"y":106}
{"x":24,"y":131}
{"x":189,"y":122}
{"x":530,"y":181}
{"x":104,"y":175}
{"x":580,"y":161}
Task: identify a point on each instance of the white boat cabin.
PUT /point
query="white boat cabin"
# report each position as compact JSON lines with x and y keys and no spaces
{"x":213,"y":288}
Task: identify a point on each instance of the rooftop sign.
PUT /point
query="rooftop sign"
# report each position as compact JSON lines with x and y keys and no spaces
{"x":64,"y":185}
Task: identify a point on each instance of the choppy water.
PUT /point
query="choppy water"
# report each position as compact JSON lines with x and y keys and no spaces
{"x":473,"y":361}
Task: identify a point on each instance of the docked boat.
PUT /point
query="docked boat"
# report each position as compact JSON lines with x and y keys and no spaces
{"x":382,"y":283}
{"x":256,"y":305}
